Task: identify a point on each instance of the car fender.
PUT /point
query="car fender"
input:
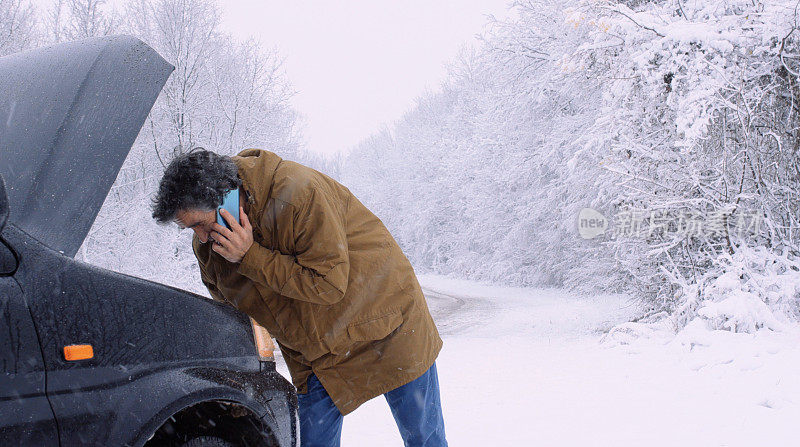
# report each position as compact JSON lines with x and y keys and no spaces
{"x":169,"y":391}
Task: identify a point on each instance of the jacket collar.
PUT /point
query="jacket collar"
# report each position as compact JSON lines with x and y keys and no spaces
{"x":257,"y":171}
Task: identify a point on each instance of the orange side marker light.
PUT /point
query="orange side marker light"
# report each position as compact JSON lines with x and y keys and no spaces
{"x":263,"y":340}
{"x":78,"y":352}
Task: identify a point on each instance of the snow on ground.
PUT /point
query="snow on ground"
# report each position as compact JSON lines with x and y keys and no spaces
{"x":527,"y":367}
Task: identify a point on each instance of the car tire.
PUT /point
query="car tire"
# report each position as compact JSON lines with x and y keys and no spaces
{"x":208,"y":441}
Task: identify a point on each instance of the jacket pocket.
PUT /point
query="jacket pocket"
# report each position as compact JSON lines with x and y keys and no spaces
{"x":375,"y":328}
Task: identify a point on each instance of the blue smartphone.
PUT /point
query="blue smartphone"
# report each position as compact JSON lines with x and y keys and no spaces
{"x":231,"y":204}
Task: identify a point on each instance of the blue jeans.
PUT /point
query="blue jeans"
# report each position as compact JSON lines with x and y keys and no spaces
{"x":416,"y":408}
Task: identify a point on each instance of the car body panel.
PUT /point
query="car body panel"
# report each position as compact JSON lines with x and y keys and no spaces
{"x":265,"y":392}
{"x":127,"y":320}
{"x":22,"y":374}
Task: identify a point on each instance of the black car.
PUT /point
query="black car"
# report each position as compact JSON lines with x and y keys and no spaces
{"x":89,"y":356}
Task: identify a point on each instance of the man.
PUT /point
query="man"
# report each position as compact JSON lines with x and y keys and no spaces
{"x":309,"y":262}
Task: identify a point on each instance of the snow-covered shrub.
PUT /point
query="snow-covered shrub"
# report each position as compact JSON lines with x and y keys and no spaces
{"x":752,"y":289}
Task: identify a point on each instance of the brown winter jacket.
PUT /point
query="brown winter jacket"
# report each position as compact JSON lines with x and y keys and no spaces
{"x":327,"y":280}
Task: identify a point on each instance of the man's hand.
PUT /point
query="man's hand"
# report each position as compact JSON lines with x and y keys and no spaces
{"x":232,"y":244}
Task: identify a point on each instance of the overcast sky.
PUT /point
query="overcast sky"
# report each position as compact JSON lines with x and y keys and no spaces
{"x":359,"y":63}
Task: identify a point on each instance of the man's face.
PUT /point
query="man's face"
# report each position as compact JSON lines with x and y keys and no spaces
{"x":198,"y":220}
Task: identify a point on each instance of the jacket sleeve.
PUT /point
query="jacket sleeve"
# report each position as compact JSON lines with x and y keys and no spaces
{"x":216,"y":295}
{"x":318,"y":270}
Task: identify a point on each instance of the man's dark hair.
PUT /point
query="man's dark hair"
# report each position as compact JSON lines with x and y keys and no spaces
{"x":198,"y":179}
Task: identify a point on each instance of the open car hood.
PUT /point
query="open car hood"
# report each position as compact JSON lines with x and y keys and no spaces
{"x":69,"y":114}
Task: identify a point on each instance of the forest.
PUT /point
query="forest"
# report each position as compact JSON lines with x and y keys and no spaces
{"x":675,"y":122}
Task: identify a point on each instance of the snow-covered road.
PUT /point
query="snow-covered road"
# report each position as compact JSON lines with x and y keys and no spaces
{"x":525,"y":367}
{"x":456,"y":314}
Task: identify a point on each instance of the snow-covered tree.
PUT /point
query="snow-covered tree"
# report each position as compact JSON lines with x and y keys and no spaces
{"x":678,"y":121}
{"x":701,"y":124}
{"x":185,"y":33}
{"x":17,"y":26}
{"x":250,"y":95}
{"x":66,"y":20}
{"x":223,"y":95}
{"x":475,"y":180}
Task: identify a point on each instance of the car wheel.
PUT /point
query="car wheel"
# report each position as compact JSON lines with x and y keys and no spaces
{"x":208,"y":441}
